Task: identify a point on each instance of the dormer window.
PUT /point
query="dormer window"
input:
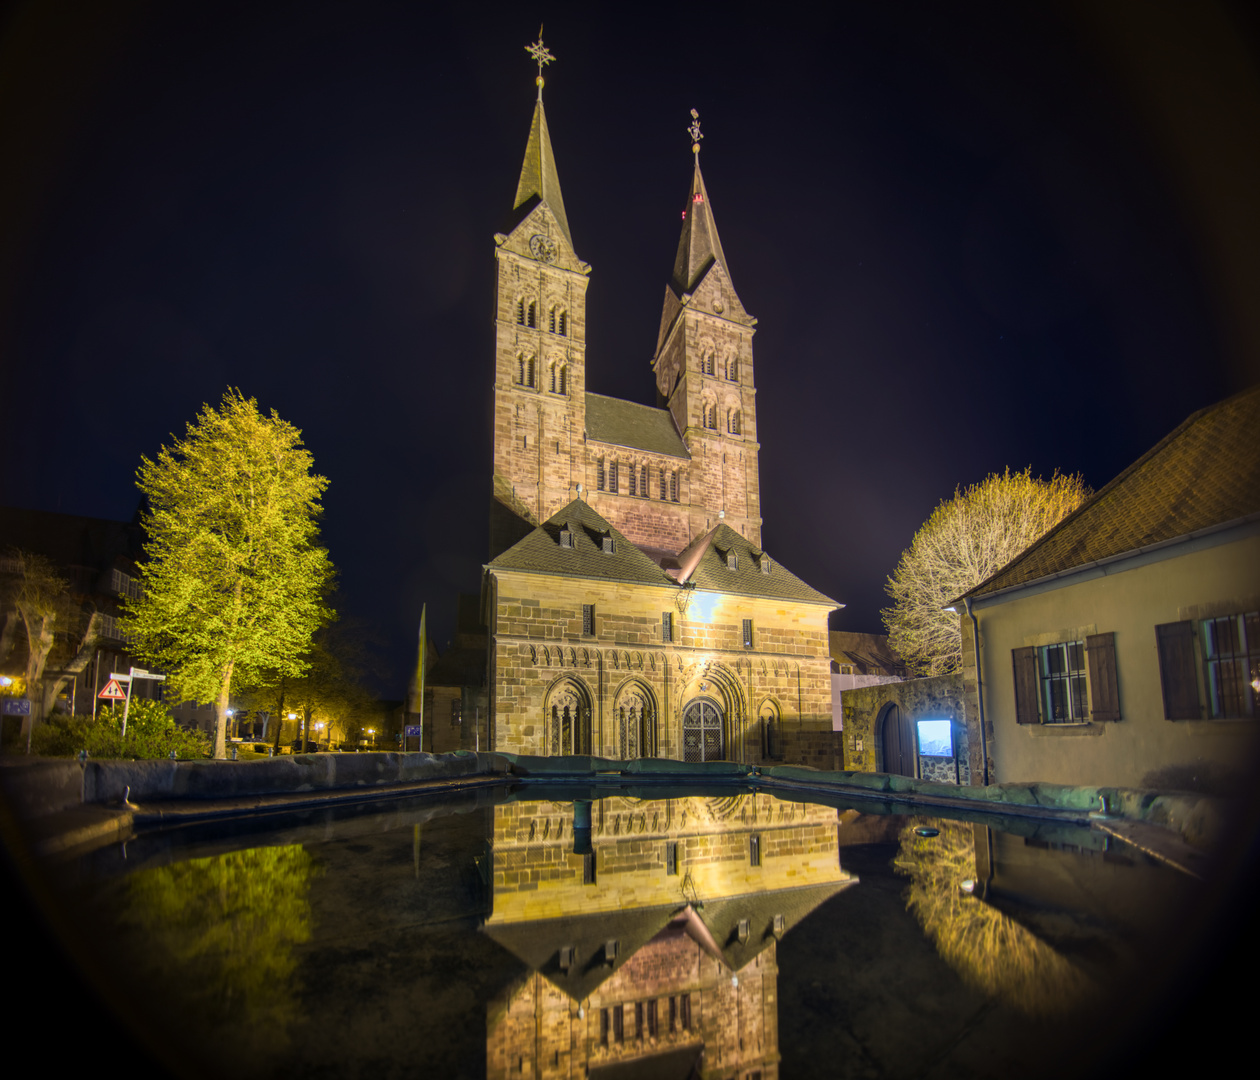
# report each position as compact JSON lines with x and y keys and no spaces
{"x":566,"y":537}
{"x":609,"y":545}
{"x":732,"y":560}
{"x":764,"y":563}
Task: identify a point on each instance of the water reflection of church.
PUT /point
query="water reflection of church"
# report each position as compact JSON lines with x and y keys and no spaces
{"x":651,"y":943}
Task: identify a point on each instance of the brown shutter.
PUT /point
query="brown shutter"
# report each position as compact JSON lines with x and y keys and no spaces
{"x":1104,"y":692}
{"x":1175,"y":642}
{"x":1025,"y":662}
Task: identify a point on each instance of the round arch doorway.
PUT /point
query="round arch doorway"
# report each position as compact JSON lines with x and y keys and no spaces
{"x":704,"y":737}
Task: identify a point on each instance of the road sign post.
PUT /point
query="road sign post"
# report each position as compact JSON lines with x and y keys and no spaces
{"x":129,"y":678}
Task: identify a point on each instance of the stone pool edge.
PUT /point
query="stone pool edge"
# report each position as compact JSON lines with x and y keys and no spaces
{"x":66,"y":805}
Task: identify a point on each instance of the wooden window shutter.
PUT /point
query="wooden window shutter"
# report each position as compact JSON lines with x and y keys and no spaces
{"x":1104,"y":693}
{"x":1177,"y":678}
{"x":1025,"y":661}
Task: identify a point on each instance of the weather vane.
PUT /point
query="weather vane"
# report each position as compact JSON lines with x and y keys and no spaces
{"x":693,"y":131}
{"x":542,"y":57}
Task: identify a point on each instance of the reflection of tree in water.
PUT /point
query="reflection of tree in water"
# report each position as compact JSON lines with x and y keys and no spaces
{"x":991,"y":951}
{"x":222,"y":930}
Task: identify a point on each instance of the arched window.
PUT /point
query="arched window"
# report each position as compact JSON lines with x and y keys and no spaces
{"x":553,"y":320}
{"x":643,"y":483}
{"x":636,"y":723}
{"x":710,"y":416}
{"x":706,"y":362}
{"x":664,"y":485}
{"x":520,"y":311}
{"x":732,"y":369}
{"x":732,"y":421}
{"x":634,"y":480}
{"x":612,"y":478}
{"x":531,"y":316}
{"x":599,"y":475}
{"x":564,"y":324}
{"x":673,"y":486}
{"x":564,"y":378}
{"x":529,"y":372}
{"x":520,"y":372}
{"x":553,"y":378}
{"x":570,"y":721}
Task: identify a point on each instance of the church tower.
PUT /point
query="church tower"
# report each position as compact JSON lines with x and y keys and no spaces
{"x":540,"y":347}
{"x":704,"y":371}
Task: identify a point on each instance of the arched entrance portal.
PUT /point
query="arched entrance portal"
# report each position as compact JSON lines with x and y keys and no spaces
{"x":703,"y":738}
{"x":897,"y":741}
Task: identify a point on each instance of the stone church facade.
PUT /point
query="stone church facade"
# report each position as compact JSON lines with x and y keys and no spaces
{"x":630,"y":609}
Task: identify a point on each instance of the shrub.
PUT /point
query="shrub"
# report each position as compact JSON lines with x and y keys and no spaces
{"x":151,"y":733}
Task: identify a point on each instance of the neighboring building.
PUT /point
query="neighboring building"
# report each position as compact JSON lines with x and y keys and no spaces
{"x":1123,"y":647}
{"x":912,"y":727}
{"x":98,"y":558}
{"x":629,"y":607}
{"x":859,"y":660}
{"x":455,"y":684}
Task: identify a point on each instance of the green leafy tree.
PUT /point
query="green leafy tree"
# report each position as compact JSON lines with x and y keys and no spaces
{"x":234,"y":577}
{"x":966,"y":540}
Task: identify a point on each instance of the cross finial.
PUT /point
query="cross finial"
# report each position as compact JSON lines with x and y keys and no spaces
{"x":694,"y":132}
{"x":541,"y":56}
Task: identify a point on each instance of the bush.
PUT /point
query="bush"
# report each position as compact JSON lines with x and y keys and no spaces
{"x":151,"y":733}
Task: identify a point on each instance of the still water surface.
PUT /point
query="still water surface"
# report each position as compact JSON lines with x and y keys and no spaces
{"x":723,"y":935}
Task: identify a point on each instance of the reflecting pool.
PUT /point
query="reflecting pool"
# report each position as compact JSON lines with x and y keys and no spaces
{"x":537,"y":934}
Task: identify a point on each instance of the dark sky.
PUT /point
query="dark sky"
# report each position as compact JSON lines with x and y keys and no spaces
{"x":975,"y":235}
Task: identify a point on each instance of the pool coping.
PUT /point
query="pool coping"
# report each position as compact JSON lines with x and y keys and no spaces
{"x":67,"y":807}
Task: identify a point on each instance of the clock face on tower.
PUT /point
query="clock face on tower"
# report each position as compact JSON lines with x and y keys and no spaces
{"x":543,"y":248}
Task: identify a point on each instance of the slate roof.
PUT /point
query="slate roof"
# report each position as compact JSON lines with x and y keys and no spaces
{"x":698,"y":246}
{"x":1204,"y":474}
{"x":640,"y":427}
{"x":541,"y":552}
{"x":703,"y":564}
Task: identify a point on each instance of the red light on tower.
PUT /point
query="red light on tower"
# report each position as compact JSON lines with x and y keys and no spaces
{"x":684,"y":215}
{"x":697,"y":197}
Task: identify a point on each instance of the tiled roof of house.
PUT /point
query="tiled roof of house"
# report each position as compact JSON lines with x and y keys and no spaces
{"x":704,"y":563}
{"x":640,"y":427}
{"x":540,"y":551}
{"x":1205,"y":473}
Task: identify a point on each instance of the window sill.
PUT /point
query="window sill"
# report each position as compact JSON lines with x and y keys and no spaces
{"x":1042,"y":731}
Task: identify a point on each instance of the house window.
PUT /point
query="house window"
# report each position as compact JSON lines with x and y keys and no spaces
{"x":667,"y":626}
{"x":638,"y":1020}
{"x":588,"y":620}
{"x":671,"y":858}
{"x":673,"y":1015}
{"x":612,"y":478}
{"x":619,"y":1023}
{"x":599,"y":474}
{"x":653,"y":1019}
{"x":457,"y":712}
{"x":1231,"y":664}
{"x":684,"y":1011}
{"x":748,"y":635}
{"x":1063,"y":683}
{"x":1069,"y":682}
{"x":604,"y":1026}
{"x":754,"y":850}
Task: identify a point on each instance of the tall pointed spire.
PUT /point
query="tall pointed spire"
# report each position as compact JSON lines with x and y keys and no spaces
{"x":539,"y":177}
{"x":699,"y":246}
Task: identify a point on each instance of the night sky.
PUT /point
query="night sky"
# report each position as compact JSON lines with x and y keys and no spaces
{"x":975,"y":237}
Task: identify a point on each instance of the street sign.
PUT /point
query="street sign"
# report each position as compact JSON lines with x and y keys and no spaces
{"x":411,"y":730}
{"x":17,"y":706}
{"x":138,"y":673}
{"x":112,"y":691}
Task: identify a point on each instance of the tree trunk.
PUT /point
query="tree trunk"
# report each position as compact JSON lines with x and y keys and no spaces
{"x":52,"y":687}
{"x":221,"y":708}
{"x":41,"y":639}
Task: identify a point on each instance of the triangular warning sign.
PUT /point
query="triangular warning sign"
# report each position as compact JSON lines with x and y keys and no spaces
{"x":113,"y":692}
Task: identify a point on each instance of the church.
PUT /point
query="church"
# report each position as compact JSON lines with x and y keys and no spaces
{"x":628,"y":608}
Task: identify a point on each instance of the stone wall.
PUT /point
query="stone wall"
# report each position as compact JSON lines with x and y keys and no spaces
{"x":939,"y":698}
{"x":540,"y":657}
